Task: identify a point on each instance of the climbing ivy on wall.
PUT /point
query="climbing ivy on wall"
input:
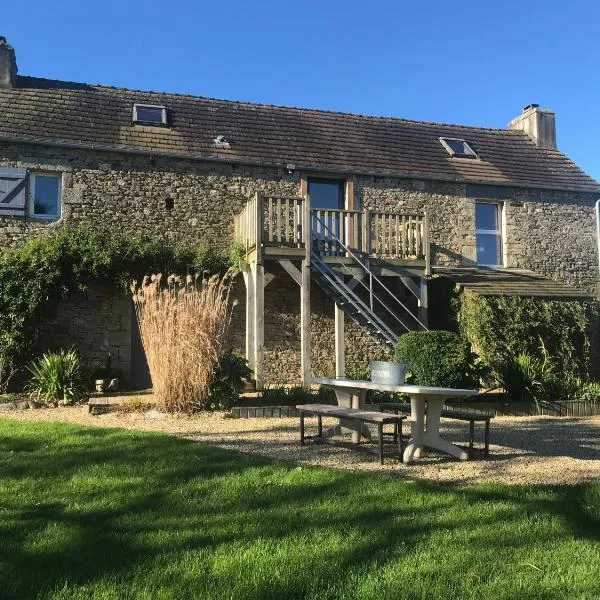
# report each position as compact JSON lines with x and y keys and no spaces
{"x":502,"y":327}
{"x":44,"y":269}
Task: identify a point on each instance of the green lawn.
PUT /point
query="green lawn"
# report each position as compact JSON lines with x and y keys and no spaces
{"x":98,"y":513}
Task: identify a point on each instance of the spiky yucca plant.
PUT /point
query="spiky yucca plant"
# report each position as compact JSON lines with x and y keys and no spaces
{"x":183,"y":325}
{"x":56,"y":376}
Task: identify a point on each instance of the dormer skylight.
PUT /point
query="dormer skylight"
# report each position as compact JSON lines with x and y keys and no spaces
{"x":458,"y":148}
{"x":149,"y":114}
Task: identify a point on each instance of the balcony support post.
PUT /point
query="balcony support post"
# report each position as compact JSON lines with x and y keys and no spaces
{"x":305,"y":348}
{"x":257,"y":271}
{"x":423,"y":302}
{"x":340,"y":354}
{"x":249,"y":284}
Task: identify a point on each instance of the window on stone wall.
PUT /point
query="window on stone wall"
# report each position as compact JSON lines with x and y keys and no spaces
{"x":488,"y":230}
{"x":44,"y":195}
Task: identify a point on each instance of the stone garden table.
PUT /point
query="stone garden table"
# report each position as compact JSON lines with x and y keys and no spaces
{"x":351,"y":394}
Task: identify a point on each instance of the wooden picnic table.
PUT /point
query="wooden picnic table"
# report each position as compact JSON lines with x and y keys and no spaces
{"x":351,"y":393}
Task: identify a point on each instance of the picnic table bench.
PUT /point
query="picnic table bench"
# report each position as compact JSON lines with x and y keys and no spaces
{"x":472,"y":418}
{"x":351,"y":393}
{"x":353,"y":419}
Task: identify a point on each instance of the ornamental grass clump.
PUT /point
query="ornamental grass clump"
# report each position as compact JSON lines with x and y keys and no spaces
{"x":183,"y":325}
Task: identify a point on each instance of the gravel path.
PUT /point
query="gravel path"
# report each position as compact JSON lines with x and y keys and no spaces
{"x":524,"y":450}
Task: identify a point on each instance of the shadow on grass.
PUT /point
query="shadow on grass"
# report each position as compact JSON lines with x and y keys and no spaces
{"x":84,"y":507}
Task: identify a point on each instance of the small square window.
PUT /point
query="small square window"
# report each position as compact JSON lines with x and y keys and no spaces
{"x":44,"y":196}
{"x":147,"y":114}
{"x":459,"y":148}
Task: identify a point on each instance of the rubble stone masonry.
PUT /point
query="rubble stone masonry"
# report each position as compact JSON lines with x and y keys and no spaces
{"x":551,"y":232}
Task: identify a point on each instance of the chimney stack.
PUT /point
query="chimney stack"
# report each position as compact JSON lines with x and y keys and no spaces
{"x":8,"y":65}
{"x":538,"y":123}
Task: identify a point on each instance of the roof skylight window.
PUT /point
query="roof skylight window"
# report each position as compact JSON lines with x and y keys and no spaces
{"x":148,"y":114}
{"x":458,"y":148}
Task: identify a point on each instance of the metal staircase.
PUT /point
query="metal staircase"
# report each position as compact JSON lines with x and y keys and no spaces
{"x":385,"y":320}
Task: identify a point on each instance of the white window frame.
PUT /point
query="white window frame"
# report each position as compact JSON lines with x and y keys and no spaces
{"x":31,"y":200}
{"x":499,"y":233}
{"x":136,"y":121}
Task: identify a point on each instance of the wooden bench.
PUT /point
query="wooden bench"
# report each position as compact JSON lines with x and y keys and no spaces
{"x":348,"y":416}
{"x":472,"y":418}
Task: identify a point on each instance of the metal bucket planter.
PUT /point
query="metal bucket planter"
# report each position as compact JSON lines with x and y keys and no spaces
{"x":390,"y":373}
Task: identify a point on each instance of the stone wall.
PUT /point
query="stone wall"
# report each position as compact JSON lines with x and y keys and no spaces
{"x":282,"y":331}
{"x":96,"y":322}
{"x":551,"y":232}
{"x":130,"y":192}
{"x":183,"y":200}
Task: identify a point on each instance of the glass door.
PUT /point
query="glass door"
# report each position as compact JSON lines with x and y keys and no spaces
{"x":327,"y":221}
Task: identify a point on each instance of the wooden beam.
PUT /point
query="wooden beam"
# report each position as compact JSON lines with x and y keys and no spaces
{"x":340,"y":354}
{"x":423,"y":302}
{"x":292,"y":270}
{"x":414,"y":288}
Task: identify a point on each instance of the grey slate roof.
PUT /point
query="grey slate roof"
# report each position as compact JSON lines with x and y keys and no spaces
{"x":86,"y":114}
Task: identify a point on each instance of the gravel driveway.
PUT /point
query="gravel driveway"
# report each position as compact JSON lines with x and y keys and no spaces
{"x":524,"y":450}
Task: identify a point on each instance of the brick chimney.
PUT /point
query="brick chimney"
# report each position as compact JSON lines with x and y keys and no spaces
{"x":538,"y":123}
{"x":8,"y":65}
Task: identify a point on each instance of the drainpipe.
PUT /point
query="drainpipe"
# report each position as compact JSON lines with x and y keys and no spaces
{"x":598,"y":229}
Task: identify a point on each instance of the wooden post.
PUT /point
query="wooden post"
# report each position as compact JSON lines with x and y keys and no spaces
{"x":258,"y":276}
{"x":259,"y":225}
{"x":258,"y":320}
{"x":366,"y":233}
{"x":423,"y":302}
{"x":426,"y":245}
{"x":250,"y":289}
{"x":305,"y":349}
{"x":340,"y":355}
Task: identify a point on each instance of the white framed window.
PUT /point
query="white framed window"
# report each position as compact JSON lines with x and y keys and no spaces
{"x":149,"y":114}
{"x":45,"y":195}
{"x":488,"y":233}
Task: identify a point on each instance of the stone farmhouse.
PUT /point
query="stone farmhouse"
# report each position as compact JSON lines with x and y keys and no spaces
{"x":350,"y":224}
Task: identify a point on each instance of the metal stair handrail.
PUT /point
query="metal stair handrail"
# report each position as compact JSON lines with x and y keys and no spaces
{"x":350,"y":297}
{"x":372,"y":276}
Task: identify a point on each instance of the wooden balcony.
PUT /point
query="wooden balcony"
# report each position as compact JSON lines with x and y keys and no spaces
{"x":278,"y":228}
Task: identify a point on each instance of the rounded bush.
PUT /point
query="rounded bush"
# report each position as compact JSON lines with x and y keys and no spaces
{"x":438,"y":359}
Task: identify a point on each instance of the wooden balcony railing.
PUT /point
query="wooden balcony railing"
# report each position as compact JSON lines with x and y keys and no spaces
{"x":278,"y":222}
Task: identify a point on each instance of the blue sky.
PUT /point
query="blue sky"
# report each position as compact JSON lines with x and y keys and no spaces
{"x":475,"y":63}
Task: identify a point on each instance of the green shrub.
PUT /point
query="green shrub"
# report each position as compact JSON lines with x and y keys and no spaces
{"x":291,"y":396}
{"x":56,"y":377}
{"x":438,"y":358}
{"x":46,"y":268}
{"x":283,"y":396}
{"x":228,"y":382}
{"x":527,"y":378}
{"x":588,"y":391}
{"x":501,"y":328}
{"x":573,"y":388}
